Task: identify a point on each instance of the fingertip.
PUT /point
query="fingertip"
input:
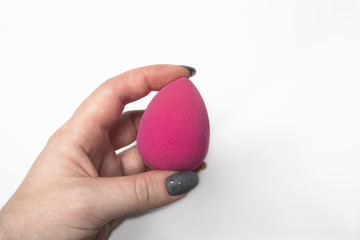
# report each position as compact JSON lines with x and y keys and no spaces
{"x":181,"y":182}
{"x":192,"y":71}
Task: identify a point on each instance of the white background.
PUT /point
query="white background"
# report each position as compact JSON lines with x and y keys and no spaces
{"x":281,"y":84}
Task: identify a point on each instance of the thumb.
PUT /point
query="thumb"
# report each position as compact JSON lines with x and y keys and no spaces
{"x":152,"y":189}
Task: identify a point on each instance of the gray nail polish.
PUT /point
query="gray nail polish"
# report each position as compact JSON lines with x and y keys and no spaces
{"x":181,"y":182}
{"x":191,"y":70}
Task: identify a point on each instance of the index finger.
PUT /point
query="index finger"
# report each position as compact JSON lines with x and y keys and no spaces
{"x":105,"y":105}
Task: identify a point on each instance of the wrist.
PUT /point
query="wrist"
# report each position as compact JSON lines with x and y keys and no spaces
{"x":3,"y":230}
{"x":8,"y":229}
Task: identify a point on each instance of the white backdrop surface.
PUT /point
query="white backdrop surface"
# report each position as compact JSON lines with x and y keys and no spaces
{"x":281,"y":84}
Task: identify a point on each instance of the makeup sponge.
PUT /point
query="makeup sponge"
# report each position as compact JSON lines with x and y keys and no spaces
{"x":174,"y":131}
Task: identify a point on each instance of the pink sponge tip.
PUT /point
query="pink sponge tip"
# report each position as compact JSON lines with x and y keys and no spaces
{"x":174,"y":130}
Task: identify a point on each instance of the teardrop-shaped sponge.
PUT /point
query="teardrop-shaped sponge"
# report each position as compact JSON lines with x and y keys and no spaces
{"x":174,"y":131}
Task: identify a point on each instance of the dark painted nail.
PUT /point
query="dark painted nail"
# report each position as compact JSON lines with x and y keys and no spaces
{"x":191,"y":70}
{"x":181,"y":182}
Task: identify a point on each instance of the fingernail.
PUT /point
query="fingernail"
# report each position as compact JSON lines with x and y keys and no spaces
{"x":181,"y":182}
{"x":191,"y":70}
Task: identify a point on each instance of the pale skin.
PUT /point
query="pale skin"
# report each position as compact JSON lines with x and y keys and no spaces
{"x":78,"y":187}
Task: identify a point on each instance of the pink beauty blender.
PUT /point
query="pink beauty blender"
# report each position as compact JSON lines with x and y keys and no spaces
{"x":174,"y":131}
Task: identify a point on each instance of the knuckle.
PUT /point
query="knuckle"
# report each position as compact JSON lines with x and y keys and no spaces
{"x":144,"y":188}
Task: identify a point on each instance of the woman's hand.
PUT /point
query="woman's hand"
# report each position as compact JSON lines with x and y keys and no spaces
{"x":78,"y":187}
